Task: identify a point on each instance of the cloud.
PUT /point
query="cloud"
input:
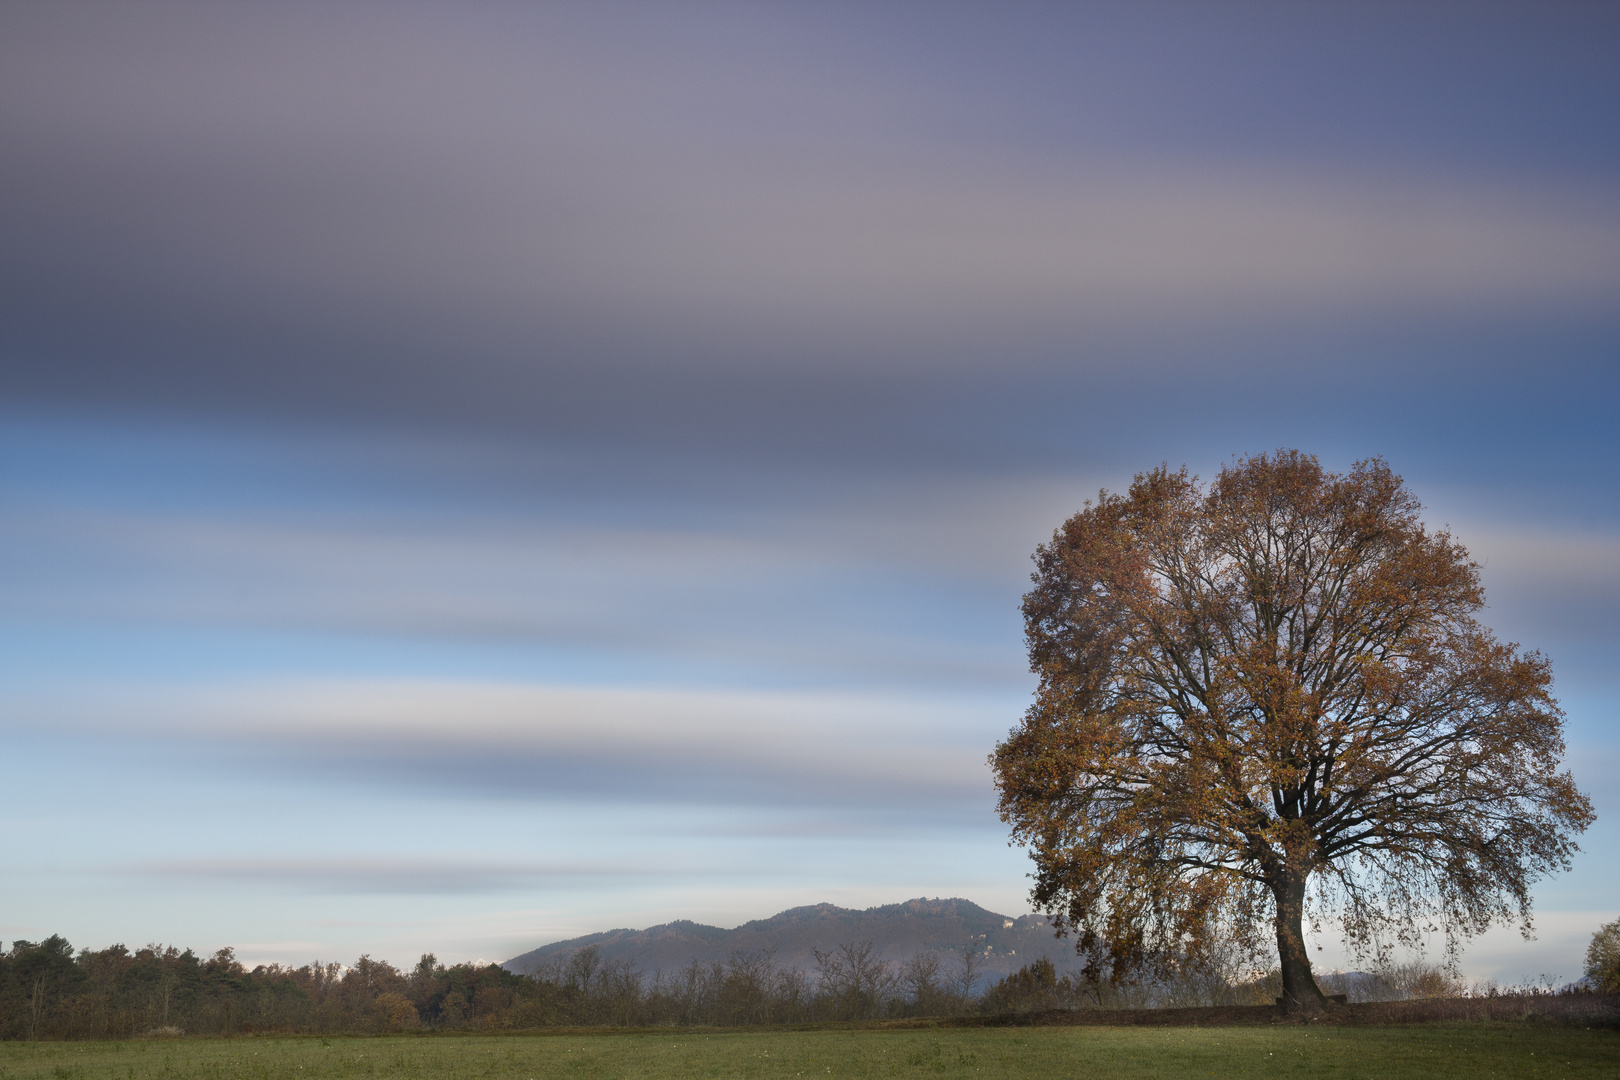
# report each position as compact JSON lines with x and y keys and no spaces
{"x":415,"y":875}
{"x":404,"y":213}
{"x":1556,"y":955}
{"x":1558,"y":584}
{"x":720,"y":259}
{"x":819,"y":574}
{"x":568,"y":743}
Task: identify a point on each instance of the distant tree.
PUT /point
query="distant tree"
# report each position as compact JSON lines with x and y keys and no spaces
{"x":582,"y":968}
{"x":395,"y":1012}
{"x":746,"y":984}
{"x":855,"y":979}
{"x":43,"y":970}
{"x":1603,"y":959}
{"x":1032,"y":987}
{"x":1270,"y":697}
{"x":921,"y":977}
{"x":972,"y":957}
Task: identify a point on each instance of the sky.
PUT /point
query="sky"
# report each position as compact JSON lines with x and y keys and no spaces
{"x":477,"y":474}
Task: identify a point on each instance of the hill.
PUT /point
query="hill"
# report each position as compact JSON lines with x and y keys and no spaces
{"x":898,"y":931}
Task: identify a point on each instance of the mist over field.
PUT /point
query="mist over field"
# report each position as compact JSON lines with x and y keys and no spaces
{"x":473,"y":477}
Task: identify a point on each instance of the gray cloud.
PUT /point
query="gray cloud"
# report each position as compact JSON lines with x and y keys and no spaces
{"x":1566,"y":585}
{"x":414,"y":875}
{"x":537,"y":211}
{"x":650,"y":255}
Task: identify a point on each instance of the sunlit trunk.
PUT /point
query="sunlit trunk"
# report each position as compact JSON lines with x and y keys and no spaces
{"x":1299,"y":989}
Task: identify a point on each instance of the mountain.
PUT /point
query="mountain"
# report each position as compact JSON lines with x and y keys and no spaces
{"x":898,"y":931}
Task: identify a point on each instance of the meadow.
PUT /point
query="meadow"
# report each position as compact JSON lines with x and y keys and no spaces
{"x":1431,"y":1052}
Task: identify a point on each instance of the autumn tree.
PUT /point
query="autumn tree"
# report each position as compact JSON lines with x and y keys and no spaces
{"x":1603,"y":959}
{"x":1270,"y":702}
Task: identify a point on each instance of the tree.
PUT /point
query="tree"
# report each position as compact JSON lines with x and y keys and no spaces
{"x":1032,"y":987}
{"x":855,"y":979}
{"x":972,"y":965}
{"x":922,"y":980}
{"x":1272,"y":698}
{"x":41,"y":969}
{"x":1603,"y":959}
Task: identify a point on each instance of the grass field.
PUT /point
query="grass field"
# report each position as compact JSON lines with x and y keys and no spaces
{"x":1429,"y":1052}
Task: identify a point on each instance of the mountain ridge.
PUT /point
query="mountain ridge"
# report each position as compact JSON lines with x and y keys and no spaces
{"x":898,"y":931}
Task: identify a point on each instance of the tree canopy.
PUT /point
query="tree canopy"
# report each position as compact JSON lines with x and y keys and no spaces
{"x":1270,"y":702}
{"x":1603,"y":959}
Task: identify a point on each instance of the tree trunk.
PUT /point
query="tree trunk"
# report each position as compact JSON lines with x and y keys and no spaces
{"x":35,"y":1003}
{"x":1299,"y":990}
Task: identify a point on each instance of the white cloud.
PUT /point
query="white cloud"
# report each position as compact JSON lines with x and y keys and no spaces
{"x":1556,"y":953}
{"x":828,"y":581}
{"x":570,"y":742}
{"x":396,"y":875}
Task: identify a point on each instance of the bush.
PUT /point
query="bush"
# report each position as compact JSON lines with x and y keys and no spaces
{"x":1603,"y":959}
{"x":1032,"y":988}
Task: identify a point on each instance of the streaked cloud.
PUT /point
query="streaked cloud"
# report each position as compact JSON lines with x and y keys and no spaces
{"x":720,"y":258}
{"x":372,"y":875}
{"x":552,"y":743}
{"x":813,"y":577}
{"x":598,"y":197}
{"x":1557,"y":585}
{"x":1569,"y":560}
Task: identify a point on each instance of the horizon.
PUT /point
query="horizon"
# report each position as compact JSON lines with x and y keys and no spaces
{"x":474,"y":476}
{"x":881,"y":953}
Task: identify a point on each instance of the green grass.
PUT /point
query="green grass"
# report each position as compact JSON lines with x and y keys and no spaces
{"x":1094,"y":1053}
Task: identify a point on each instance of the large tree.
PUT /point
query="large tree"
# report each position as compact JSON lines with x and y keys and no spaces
{"x":1271,"y":701}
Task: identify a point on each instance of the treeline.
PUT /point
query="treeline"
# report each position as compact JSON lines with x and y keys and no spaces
{"x":49,"y":992}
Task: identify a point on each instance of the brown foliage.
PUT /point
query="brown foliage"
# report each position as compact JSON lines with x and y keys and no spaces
{"x":1603,"y":959}
{"x":1274,"y":695}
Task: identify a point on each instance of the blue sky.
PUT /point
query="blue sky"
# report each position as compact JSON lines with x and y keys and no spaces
{"x":472,"y":475}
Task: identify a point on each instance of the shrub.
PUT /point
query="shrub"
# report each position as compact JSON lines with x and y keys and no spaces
{"x":1603,"y":959}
